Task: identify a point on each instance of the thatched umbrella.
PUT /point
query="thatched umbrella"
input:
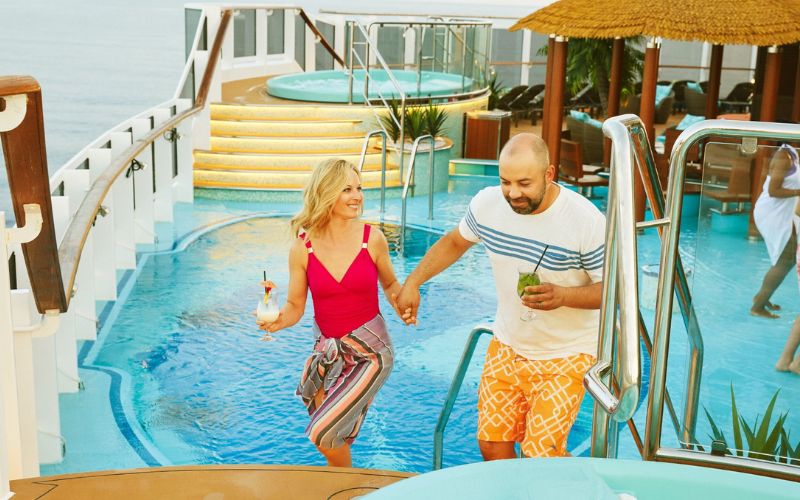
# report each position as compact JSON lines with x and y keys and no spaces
{"x":744,"y":22}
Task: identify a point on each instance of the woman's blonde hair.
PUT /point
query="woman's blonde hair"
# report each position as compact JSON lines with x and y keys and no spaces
{"x":327,"y":182}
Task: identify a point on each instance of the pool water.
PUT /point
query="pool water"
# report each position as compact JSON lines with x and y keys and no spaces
{"x":332,"y":86}
{"x":192,"y":383}
{"x":207,"y":387}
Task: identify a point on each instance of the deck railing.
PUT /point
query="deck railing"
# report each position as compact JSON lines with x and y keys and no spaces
{"x":109,"y":197}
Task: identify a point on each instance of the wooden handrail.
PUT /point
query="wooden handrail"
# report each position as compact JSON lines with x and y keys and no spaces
{"x":321,"y":38}
{"x":13,"y":85}
{"x":28,"y":180}
{"x":69,"y":252}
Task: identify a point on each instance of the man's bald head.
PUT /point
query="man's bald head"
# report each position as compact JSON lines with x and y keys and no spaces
{"x":525,"y":172}
{"x":528,"y":145}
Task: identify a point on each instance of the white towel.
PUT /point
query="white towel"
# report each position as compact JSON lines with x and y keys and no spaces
{"x":774,"y":216}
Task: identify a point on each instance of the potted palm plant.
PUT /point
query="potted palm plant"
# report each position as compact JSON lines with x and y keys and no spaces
{"x":420,"y":120}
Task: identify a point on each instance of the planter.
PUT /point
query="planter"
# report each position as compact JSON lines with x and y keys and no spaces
{"x":441,"y":160}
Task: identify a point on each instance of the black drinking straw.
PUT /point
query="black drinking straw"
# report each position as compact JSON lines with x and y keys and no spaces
{"x":266,"y":289}
{"x":540,"y":258}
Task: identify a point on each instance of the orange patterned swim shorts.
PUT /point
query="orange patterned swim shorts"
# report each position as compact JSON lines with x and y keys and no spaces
{"x":533,"y":402}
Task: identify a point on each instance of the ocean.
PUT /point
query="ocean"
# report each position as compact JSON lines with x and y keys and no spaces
{"x":98,"y":63}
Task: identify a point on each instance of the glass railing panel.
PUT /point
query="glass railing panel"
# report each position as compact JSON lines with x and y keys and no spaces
{"x":537,"y":70}
{"x":747,"y":395}
{"x":275,"y":31}
{"x":187,"y":92}
{"x":191,"y":19}
{"x":507,"y":48}
{"x":324,"y":59}
{"x":391,"y":45}
{"x":455,"y":50}
{"x":300,"y":41}
{"x":480,"y":57}
{"x":244,"y":33}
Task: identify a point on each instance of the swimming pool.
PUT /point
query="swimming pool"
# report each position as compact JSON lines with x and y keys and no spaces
{"x":332,"y":86}
{"x":178,"y":375}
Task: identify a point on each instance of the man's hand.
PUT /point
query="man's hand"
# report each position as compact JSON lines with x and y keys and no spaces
{"x":544,"y":297}
{"x":408,"y":303}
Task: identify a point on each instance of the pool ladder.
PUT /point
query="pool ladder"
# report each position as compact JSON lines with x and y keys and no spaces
{"x":408,"y":177}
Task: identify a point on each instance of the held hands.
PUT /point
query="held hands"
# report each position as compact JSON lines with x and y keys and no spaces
{"x":406,"y":304}
{"x":544,"y":297}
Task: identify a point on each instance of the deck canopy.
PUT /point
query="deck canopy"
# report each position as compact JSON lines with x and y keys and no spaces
{"x":745,"y":22}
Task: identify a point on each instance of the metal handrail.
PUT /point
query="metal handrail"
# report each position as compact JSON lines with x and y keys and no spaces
{"x":449,"y":25}
{"x":365,"y":65}
{"x":383,"y":135}
{"x":407,"y":184}
{"x":619,"y":291}
{"x":455,"y":387}
{"x":669,"y":264}
{"x":631,"y":137}
{"x":71,"y":247}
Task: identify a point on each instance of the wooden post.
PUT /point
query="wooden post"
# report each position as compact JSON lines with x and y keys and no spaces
{"x":29,"y":183}
{"x":796,"y":105}
{"x":548,"y":87}
{"x":714,"y":79}
{"x":614,"y":89}
{"x":769,"y":100}
{"x":557,"y":100}
{"x":647,"y":112}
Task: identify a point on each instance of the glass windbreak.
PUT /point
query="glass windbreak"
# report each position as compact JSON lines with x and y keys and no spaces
{"x":538,"y":67}
{"x":191,"y":20}
{"x":244,"y":33}
{"x":506,"y":56}
{"x":275,"y":31}
{"x":391,"y":45}
{"x":324,"y":59}
{"x":744,"y":289}
{"x":300,"y":41}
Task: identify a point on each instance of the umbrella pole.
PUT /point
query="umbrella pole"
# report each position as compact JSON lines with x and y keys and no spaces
{"x":714,"y":79}
{"x":557,"y":100}
{"x":548,"y":88}
{"x":796,"y":107}
{"x":614,"y":90}
{"x":647,"y":112}
{"x":769,"y":100}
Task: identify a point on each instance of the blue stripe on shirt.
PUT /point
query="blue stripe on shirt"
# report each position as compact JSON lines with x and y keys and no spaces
{"x":556,"y":259}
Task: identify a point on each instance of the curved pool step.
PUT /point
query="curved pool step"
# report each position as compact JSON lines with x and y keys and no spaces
{"x":289,"y":145}
{"x":278,"y":180}
{"x":286,"y":128}
{"x":289,"y":112}
{"x":276,"y":146}
{"x":215,"y":160}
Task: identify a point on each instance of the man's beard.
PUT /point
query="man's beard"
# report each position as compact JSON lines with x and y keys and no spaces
{"x":529,"y":207}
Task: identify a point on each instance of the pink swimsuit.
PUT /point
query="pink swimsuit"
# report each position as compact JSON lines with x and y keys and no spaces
{"x":342,"y":306}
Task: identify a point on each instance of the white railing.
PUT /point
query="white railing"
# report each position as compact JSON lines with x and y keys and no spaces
{"x":158,"y":176}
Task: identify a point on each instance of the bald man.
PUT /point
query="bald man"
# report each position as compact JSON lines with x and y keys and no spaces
{"x":531,"y":387}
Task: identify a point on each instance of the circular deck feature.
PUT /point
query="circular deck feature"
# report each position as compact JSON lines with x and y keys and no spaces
{"x":211,"y":482}
{"x":332,"y":86}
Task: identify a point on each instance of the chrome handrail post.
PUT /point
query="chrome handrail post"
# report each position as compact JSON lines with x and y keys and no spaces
{"x":430,"y":174}
{"x":363,"y":157}
{"x":385,"y":139}
{"x":350,"y":49}
{"x":406,"y":186}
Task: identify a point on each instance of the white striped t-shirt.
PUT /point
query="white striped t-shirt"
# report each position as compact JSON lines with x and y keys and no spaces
{"x":574,"y":229}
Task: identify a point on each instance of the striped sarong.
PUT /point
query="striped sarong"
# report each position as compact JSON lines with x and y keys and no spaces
{"x":350,"y":370}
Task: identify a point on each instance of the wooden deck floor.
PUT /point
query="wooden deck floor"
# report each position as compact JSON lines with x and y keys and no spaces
{"x":239,"y":482}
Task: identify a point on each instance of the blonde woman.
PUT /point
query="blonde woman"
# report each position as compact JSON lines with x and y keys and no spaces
{"x":340,"y":259}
